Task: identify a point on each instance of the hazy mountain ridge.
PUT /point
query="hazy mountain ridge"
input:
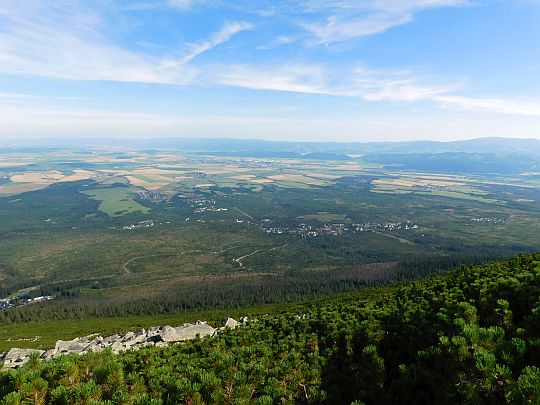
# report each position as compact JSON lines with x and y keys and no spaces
{"x":223,"y":145}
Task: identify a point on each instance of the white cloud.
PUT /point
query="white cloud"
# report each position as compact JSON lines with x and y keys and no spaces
{"x":354,"y":19}
{"x":366,"y":84}
{"x":66,"y":40}
{"x":298,"y":78}
{"x":396,"y":86}
{"x":220,"y":37}
{"x":68,"y":43}
{"x":404,"y":87}
{"x":338,"y":29}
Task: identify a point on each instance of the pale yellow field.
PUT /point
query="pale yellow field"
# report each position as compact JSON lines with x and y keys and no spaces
{"x":223,"y":171}
{"x":79,"y":175}
{"x":145,"y":184}
{"x":348,"y":167}
{"x":13,"y":164}
{"x":151,"y":171}
{"x":32,"y":181}
{"x":37,"y":177}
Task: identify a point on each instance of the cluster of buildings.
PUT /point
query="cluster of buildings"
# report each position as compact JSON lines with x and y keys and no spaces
{"x":309,"y":231}
{"x":19,"y":301}
{"x":143,"y":224}
{"x":198,"y":201}
{"x":208,"y":209}
{"x":385,"y":226}
{"x":490,"y":220}
{"x":153,"y":195}
{"x":201,"y":204}
{"x":257,"y":164}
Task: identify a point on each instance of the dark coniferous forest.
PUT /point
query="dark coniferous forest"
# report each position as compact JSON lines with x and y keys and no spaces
{"x":471,"y":336}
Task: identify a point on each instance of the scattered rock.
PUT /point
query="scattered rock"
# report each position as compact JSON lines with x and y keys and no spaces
{"x":160,"y":336}
{"x":16,"y":358}
{"x":230,"y":323}
{"x":48,"y":355}
{"x":188,"y":332}
{"x":110,"y":340}
{"x":169,"y":334}
{"x":71,"y":346}
{"x":117,"y":347}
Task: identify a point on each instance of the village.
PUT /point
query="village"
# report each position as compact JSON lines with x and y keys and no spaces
{"x":309,"y":231}
{"x":21,"y":300}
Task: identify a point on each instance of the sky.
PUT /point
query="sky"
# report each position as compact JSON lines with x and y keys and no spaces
{"x":323,"y":70}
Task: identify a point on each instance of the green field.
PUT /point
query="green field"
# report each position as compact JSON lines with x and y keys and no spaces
{"x":117,"y":201}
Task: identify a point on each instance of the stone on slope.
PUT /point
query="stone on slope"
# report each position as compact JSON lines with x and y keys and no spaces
{"x":189,"y":331}
{"x":135,"y":338}
{"x":117,"y":347}
{"x":230,"y":323}
{"x":71,"y":346}
{"x":109,"y":340}
{"x":16,"y":358}
{"x":169,"y":334}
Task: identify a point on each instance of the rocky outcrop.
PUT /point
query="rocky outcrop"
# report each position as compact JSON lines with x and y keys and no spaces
{"x":189,"y":331}
{"x":160,"y":336}
{"x":18,"y":357}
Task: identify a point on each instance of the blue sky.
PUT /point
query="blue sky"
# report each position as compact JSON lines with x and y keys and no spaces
{"x":338,"y":70}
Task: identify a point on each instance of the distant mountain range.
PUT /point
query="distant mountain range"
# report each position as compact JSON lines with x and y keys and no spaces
{"x":263,"y":148}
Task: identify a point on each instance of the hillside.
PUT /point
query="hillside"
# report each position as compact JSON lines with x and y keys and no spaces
{"x":471,"y":337}
{"x":100,"y":234}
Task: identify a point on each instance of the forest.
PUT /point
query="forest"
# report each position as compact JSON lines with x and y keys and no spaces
{"x":470,"y":336}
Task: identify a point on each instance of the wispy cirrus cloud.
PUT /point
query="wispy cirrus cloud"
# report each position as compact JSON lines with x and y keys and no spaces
{"x":297,"y":78}
{"x":353,"y":19}
{"x":218,"y":38}
{"x":395,"y":86}
{"x":67,"y":41}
